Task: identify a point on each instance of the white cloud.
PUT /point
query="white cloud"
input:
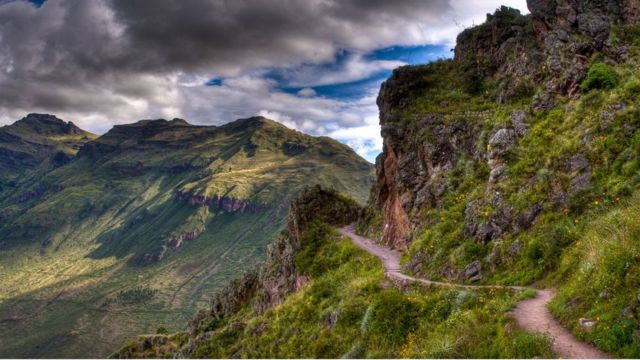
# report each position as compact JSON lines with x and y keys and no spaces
{"x":354,"y":68}
{"x":307,"y":92}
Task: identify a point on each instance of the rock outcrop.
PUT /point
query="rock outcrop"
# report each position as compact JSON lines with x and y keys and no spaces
{"x":417,"y":154}
{"x":218,"y":203}
{"x":511,"y":58}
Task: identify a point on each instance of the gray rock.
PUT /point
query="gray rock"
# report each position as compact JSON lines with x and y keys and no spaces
{"x":501,"y":142}
{"x":587,"y":324}
{"x":580,"y":170}
{"x":578,"y":162}
{"x":472,"y":271}
{"x":496,"y":173}
{"x":423,"y":196}
{"x":580,"y":181}
{"x":628,"y":312}
{"x":593,"y":25}
{"x":485,"y":233}
{"x":526,"y":218}
{"x":519,"y":122}
{"x":515,"y":248}
{"x":415,"y":265}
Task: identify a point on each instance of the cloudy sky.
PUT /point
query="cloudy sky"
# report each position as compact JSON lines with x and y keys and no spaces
{"x":314,"y":65}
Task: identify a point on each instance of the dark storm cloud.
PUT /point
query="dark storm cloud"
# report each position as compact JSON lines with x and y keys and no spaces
{"x":232,"y":34}
{"x":102,"y":62}
{"x":97,"y":55}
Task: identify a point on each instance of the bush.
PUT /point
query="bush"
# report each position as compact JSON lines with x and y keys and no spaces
{"x":137,"y":295}
{"x":162,"y":330}
{"x":600,"y":76}
{"x":632,"y":89}
{"x":531,"y":345}
{"x":392,"y":317}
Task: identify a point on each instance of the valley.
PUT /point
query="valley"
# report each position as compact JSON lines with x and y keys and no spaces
{"x":134,"y":232}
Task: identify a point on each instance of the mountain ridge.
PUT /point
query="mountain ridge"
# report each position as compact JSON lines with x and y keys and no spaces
{"x":150,"y":215}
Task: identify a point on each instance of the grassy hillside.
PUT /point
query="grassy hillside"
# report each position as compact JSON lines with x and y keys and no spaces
{"x":345,"y":307}
{"x":135,"y":231}
{"x":573,"y":175}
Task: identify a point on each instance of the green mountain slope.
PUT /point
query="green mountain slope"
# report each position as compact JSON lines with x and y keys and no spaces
{"x":514,"y":163}
{"x":144,"y":222}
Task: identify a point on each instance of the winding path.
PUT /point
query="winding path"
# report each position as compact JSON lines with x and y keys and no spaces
{"x":531,"y":314}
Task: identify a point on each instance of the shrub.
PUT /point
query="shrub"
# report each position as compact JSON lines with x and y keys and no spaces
{"x":137,"y":295}
{"x":600,"y":76}
{"x":632,"y":89}
{"x":162,"y":330}
{"x":531,"y":345}
{"x":392,"y":317}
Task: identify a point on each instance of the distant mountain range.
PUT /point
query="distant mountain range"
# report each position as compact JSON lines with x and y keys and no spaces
{"x":104,"y":237}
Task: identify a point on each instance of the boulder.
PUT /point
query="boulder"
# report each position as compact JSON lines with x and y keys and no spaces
{"x":519,"y":122}
{"x":472,"y":271}
{"x":587,"y":324}
{"x":501,"y":142}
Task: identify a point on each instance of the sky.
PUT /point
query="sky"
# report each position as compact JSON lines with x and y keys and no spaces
{"x":315,"y":65}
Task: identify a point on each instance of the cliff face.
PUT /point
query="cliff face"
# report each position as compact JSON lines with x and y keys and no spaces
{"x":528,"y":64}
{"x":217,"y":203}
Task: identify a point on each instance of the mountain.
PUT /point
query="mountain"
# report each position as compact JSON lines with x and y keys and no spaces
{"x":515,"y":163}
{"x":130,"y":231}
{"x":28,"y":142}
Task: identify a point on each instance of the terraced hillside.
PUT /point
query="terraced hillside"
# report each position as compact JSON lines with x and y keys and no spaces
{"x":133,"y":232}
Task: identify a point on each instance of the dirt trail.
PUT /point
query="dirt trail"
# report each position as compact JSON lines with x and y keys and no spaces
{"x":531,"y":314}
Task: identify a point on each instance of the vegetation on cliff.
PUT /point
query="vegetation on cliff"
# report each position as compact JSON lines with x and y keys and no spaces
{"x":515,"y":164}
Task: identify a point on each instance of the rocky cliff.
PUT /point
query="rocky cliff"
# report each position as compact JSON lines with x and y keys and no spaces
{"x":526,"y":62}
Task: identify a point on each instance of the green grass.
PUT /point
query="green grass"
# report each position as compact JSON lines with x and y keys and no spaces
{"x":600,"y":76}
{"x":603,"y":270}
{"x":349,"y":309}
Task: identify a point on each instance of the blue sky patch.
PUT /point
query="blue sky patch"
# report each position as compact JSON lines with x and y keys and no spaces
{"x":355,"y":89}
{"x":214,"y":82}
